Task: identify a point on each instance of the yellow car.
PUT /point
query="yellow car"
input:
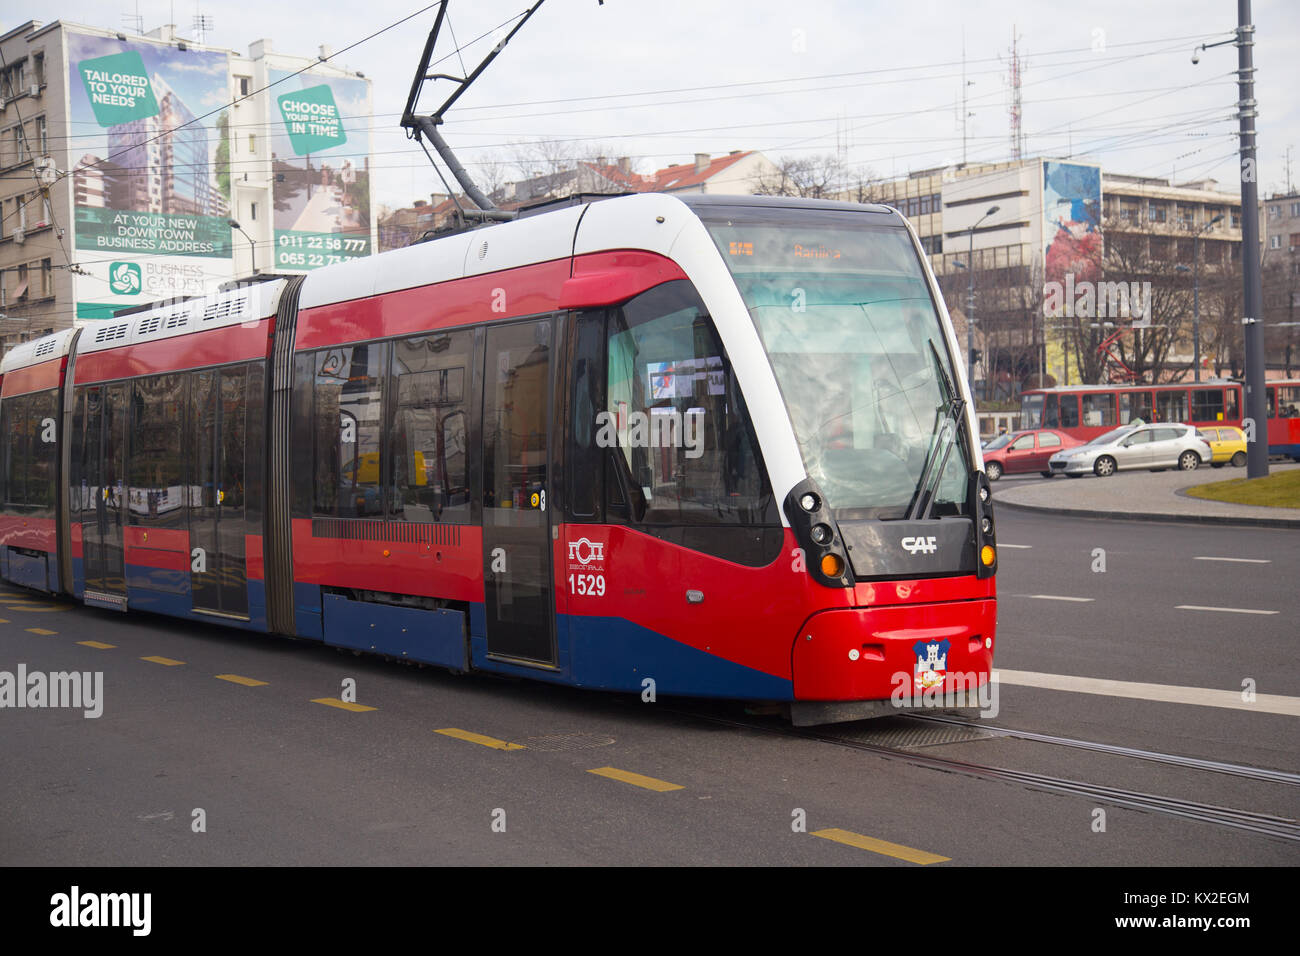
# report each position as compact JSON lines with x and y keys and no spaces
{"x":1227,"y":442}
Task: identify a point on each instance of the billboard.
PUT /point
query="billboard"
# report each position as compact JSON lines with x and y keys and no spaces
{"x":320,"y":169}
{"x":1072,"y":246}
{"x":151,"y":189}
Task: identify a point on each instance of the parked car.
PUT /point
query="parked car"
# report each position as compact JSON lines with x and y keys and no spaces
{"x":1227,"y":442}
{"x":1025,"y":452}
{"x":1155,"y":447}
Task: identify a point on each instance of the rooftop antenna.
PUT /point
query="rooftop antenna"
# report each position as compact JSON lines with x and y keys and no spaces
{"x":426,"y":127}
{"x":202,"y":24}
{"x":134,"y":19}
{"x":1016,"y":69}
{"x":965,"y":83}
{"x":1286,"y":160}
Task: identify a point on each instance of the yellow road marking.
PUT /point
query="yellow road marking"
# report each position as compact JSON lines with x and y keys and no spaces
{"x":33,"y":607}
{"x":479,"y":739}
{"x":246,"y":681}
{"x":165,"y":661}
{"x":896,"y":850}
{"x":636,"y":779}
{"x":342,"y":704}
{"x":4,"y":620}
{"x":98,"y":644}
{"x":41,"y":630}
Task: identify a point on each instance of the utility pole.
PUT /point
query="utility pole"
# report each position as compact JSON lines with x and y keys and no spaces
{"x":1256,"y":410}
{"x":1253,"y":293}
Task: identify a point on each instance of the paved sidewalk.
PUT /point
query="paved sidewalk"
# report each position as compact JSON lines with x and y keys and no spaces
{"x":1143,"y":496}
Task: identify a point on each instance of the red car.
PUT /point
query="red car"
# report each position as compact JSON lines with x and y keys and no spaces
{"x":1023,"y":452}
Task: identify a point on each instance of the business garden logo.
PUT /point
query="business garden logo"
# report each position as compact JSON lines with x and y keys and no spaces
{"x":124,"y":278}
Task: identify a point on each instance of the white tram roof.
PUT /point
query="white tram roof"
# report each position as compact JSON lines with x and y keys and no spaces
{"x":648,"y":221}
{"x":46,"y":348}
{"x":250,"y":303}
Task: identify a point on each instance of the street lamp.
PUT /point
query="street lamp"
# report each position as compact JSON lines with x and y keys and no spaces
{"x":252,"y":246}
{"x":1196,"y":292}
{"x":970,"y":303}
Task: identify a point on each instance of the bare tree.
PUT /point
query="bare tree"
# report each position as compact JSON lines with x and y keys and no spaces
{"x":809,"y":177}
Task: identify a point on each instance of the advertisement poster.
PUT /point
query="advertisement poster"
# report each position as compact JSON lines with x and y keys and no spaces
{"x":320,"y":145}
{"x":151,"y":208}
{"x":1072,"y":245}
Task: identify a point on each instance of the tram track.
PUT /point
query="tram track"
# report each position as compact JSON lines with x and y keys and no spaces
{"x":1278,"y":827}
{"x":1175,"y":760}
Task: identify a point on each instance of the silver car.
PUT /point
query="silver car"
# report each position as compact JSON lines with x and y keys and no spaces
{"x":1156,"y":446}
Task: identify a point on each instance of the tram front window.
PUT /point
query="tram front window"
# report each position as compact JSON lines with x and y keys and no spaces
{"x":846,"y":317}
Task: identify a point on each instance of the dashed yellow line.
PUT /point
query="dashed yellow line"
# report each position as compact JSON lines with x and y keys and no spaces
{"x":246,"y":681}
{"x":97,"y":644}
{"x":481,"y":739}
{"x":896,"y":850}
{"x":164,"y":661}
{"x":5,"y":621}
{"x":40,"y":630}
{"x":342,"y":704}
{"x":636,"y":779}
{"x":42,"y":608}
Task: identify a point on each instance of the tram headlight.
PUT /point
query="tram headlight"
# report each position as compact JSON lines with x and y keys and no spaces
{"x":809,"y":502}
{"x":986,"y":525}
{"x":822,"y":534}
{"x":983,"y":493}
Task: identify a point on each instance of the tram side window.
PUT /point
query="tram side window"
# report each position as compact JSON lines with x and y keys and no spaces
{"x":1099,"y":410}
{"x":586,"y":459}
{"x":348,"y":383}
{"x":28,"y":424}
{"x":1051,"y":417}
{"x":1069,"y":411}
{"x":13,"y":417}
{"x":674,"y":412}
{"x":1288,"y":401}
{"x":254,"y":441}
{"x":1171,"y":406}
{"x":427,"y":433}
{"x":302,"y":434}
{"x":157,"y":486}
{"x":1207,"y":405}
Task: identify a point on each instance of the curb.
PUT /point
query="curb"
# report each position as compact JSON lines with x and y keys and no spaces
{"x":1288,"y":523}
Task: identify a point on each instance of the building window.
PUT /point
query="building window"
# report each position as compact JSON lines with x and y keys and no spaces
{"x":42,"y":138}
{"x":1235,"y":219}
{"x":47,"y":278}
{"x":1295,"y":242}
{"x":1274,"y":212}
{"x":925,"y":205}
{"x":1295,"y":209}
{"x":1185,"y":214}
{"x":252,"y":142}
{"x":1275,"y":242}
{"x":245,"y":85}
{"x":1156,"y":211}
{"x":252,"y":210}
{"x":38,"y":68}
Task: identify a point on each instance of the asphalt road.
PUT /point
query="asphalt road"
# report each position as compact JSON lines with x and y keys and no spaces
{"x":283,"y":779}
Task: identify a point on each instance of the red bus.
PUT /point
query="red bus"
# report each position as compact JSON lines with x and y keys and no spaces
{"x":1086,"y":411}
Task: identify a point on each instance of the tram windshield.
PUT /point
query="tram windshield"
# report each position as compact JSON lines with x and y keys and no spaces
{"x":846,"y":317}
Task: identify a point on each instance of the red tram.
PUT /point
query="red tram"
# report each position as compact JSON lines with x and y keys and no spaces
{"x":718,"y":443}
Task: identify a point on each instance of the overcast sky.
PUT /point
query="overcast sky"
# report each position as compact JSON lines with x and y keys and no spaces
{"x":1110,"y":81}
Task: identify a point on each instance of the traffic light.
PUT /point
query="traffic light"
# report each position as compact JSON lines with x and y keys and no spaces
{"x":974,"y":356}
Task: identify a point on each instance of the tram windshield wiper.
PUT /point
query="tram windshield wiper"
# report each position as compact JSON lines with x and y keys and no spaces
{"x":943,"y":435}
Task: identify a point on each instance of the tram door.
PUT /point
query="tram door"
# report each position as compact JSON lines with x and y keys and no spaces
{"x":218,"y":570}
{"x":516,"y":512}
{"x":104,"y":488}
